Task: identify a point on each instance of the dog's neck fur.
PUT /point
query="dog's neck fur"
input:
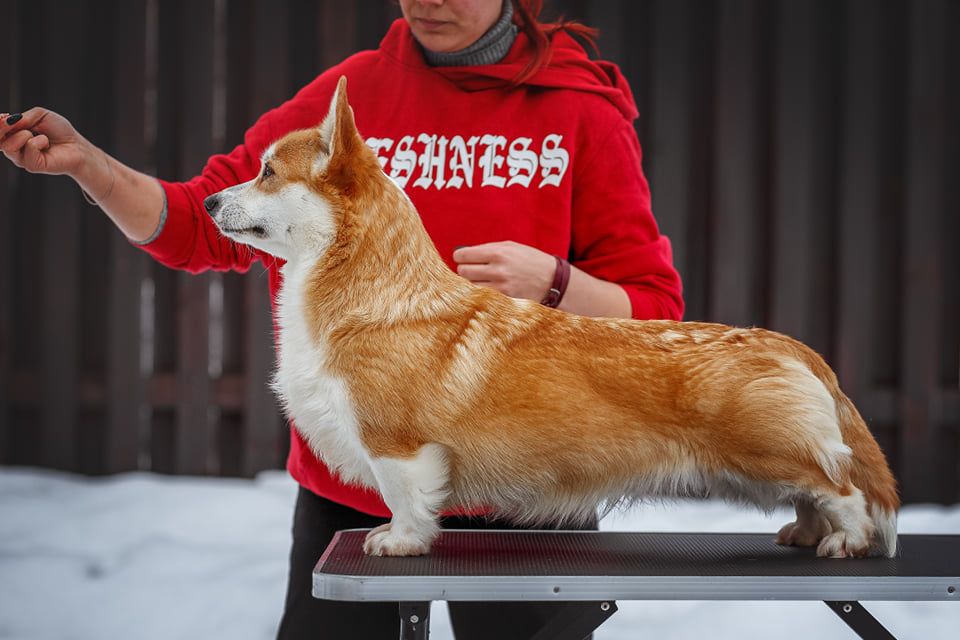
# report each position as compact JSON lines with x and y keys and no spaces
{"x":382,"y":268}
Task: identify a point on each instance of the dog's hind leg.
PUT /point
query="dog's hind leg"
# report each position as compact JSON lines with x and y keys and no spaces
{"x":809,"y":528}
{"x":415,"y":489}
{"x":853,"y":528}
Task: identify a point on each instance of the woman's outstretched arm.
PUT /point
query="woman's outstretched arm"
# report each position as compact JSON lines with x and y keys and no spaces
{"x":42,"y":141}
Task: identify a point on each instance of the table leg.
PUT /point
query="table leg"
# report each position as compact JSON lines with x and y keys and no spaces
{"x":860,"y":620}
{"x":414,"y":620}
{"x":577,"y":620}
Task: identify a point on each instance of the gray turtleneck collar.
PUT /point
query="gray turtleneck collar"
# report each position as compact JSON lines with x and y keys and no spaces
{"x":489,"y":49}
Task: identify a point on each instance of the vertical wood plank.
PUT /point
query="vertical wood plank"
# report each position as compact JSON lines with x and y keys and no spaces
{"x":270,"y":77}
{"x":859,"y":197}
{"x":866,"y":207}
{"x":195,"y":436}
{"x":671,"y":135}
{"x":950,"y":350}
{"x":165,"y":60}
{"x":63,"y":27}
{"x":8,"y":78}
{"x":24,"y":441}
{"x":337,"y":29}
{"x":376,"y":18}
{"x":804,"y":180}
{"x":950,"y":322}
{"x":886,"y":327}
{"x":738,"y":228}
{"x":608,"y":19}
{"x":95,"y":120}
{"x":305,"y":39}
{"x":637,"y":65}
{"x":184,"y":142}
{"x":125,"y":384}
{"x":923,"y":261}
{"x":242,"y":48}
{"x":679,"y":175}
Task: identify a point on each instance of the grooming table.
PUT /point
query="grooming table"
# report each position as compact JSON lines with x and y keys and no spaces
{"x":589,"y":570}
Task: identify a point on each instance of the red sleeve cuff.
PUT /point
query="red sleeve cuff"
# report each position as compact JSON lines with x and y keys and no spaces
{"x":168,"y":246}
{"x":647,"y":304}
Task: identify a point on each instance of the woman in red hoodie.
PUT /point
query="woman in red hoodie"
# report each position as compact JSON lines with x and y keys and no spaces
{"x":519,"y":153}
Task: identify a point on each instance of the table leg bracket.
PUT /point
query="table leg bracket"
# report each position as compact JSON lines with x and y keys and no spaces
{"x":414,"y":620}
{"x":859,"y":619}
{"x":576,"y":620}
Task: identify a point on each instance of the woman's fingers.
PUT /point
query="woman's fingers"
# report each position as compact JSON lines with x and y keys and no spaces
{"x":480,"y":272}
{"x":13,"y":142}
{"x":9,"y":124}
{"x":478,"y":254}
{"x":41,"y":142}
{"x":33,"y":159}
{"x":26,"y":150}
{"x":25,"y":119}
{"x":31,"y":119}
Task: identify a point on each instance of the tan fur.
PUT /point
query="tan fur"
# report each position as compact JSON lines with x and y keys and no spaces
{"x":546,"y":414}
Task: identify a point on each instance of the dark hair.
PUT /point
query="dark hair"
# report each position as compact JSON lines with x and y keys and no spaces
{"x":526,"y":14}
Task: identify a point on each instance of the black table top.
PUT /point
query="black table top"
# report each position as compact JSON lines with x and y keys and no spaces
{"x":513,"y":565}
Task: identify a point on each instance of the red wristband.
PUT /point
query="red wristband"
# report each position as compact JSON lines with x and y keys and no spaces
{"x":561,"y":277}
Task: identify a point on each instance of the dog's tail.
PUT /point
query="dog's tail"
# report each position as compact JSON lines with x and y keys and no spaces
{"x":869,"y":470}
{"x":871,"y":474}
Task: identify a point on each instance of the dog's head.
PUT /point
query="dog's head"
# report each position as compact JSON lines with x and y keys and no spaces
{"x":311,"y":187}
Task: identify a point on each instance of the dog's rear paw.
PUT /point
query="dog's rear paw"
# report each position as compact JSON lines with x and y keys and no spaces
{"x":387,"y":541}
{"x":794,"y":534}
{"x":840,"y":544}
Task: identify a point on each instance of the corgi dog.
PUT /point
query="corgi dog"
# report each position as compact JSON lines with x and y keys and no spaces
{"x":404,"y":377}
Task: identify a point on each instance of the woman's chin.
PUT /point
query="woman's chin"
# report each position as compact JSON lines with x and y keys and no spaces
{"x":439,"y":42}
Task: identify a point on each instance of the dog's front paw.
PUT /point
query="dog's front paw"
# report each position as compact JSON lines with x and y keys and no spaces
{"x":387,"y":540}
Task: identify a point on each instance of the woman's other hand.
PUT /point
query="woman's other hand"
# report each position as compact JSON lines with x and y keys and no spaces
{"x":518,"y":270}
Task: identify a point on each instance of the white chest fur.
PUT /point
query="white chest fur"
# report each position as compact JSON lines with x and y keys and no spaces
{"x":318,"y":401}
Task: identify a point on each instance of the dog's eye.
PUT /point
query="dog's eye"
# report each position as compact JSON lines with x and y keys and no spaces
{"x":267,"y":171}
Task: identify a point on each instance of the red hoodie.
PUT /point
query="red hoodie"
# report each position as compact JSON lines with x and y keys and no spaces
{"x":554,"y":164}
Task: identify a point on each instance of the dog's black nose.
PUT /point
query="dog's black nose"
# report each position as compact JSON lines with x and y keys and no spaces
{"x":210,"y":203}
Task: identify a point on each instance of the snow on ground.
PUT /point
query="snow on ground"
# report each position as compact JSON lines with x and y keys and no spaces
{"x":158,"y":557}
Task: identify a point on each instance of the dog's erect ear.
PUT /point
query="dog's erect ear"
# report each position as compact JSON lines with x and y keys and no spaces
{"x":338,"y":129}
{"x":348,"y":156}
{"x":330,"y":120}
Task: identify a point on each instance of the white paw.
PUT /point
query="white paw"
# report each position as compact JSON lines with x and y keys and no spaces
{"x":840,"y":544}
{"x":386,"y":540}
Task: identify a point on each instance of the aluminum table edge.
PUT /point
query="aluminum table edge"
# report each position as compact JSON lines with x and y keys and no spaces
{"x":595,"y":588}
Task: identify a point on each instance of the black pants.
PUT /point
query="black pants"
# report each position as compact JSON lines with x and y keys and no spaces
{"x":316,"y":519}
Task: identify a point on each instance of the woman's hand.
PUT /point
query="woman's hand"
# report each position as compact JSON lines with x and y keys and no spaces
{"x":512,"y":268}
{"x":41,"y":141}
{"x":524,"y":272}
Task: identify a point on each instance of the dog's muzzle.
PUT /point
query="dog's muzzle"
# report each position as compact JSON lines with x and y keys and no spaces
{"x":211,"y":204}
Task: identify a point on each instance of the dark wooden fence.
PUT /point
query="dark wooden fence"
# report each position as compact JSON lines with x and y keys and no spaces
{"x":804,"y":158}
